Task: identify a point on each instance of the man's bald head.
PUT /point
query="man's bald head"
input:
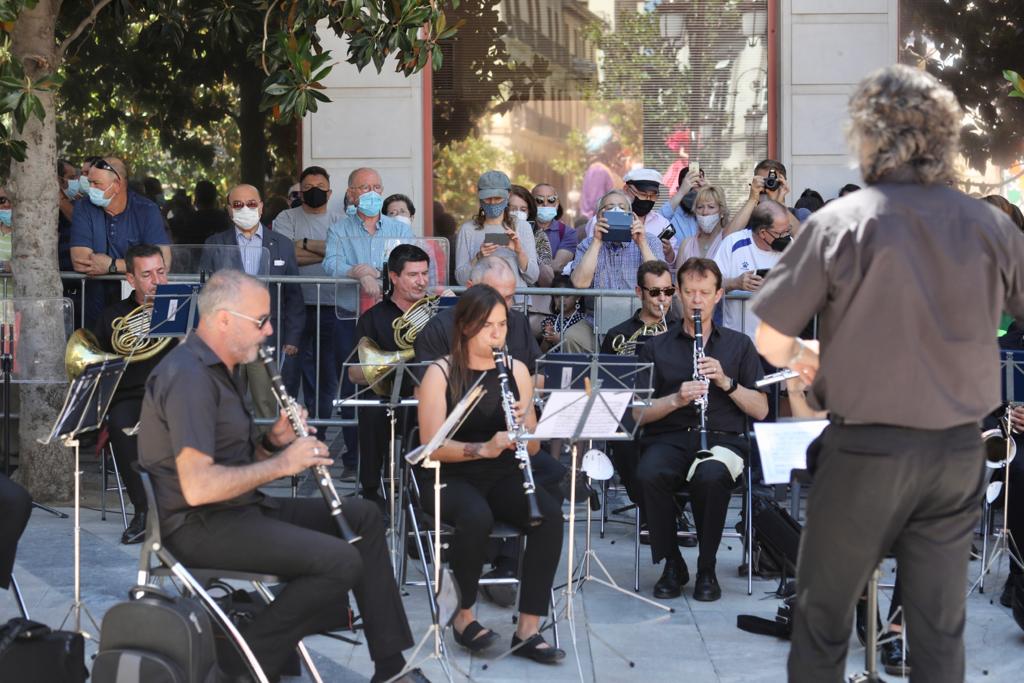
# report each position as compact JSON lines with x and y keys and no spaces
{"x":770,"y":215}
{"x":243,"y":192}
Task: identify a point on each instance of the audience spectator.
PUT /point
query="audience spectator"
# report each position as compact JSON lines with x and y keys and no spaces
{"x":712,"y":215}
{"x":810,"y":200}
{"x":848,"y":188}
{"x":607,"y":265}
{"x":1006,"y":207}
{"x":561,"y":237}
{"x":401,"y":208}
{"x":679,"y":208}
{"x":179,"y":211}
{"x":495,"y":231}
{"x":154,"y":191}
{"x":83,"y":175}
{"x":295,"y":196}
{"x":745,"y":257}
{"x":565,"y":311}
{"x":288,"y":316}
{"x":209,"y":217}
{"x":522,"y":206}
{"x":103,"y":228}
{"x":641,"y":186}
{"x":70,"y":191}
{"x":759,"y":192}
{"x":6,"y":219}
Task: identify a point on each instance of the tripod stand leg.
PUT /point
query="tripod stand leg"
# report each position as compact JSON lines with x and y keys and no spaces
{"x":46,"y":508}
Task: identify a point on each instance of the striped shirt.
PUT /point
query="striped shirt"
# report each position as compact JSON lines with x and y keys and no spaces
{"x":252,"y":249}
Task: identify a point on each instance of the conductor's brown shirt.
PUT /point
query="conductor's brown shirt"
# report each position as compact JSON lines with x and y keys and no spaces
{"x":910,"y":282}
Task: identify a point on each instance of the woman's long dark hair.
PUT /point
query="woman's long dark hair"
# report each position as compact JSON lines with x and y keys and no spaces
{"x":471,"y":313}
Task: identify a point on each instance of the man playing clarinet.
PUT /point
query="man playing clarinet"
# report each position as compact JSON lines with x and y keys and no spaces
{"x":676,"y":454}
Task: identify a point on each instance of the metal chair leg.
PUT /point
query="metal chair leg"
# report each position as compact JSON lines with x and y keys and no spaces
{"x":636,"y":553}
{"x":120,"y":485}
{"x":18,"y":598}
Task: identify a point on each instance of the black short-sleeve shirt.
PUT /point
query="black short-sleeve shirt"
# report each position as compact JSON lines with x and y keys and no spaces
{"x":435,"y":340}
{"x":377,"y":324}
{"x":192,"y":401}
{"x":133,"y":382}
{"x":672,"y":356}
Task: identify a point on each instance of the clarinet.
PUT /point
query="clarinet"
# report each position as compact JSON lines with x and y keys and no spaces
{"x":323,"y":475}
{"x":698,"y":355}
{"x":516,"y":430}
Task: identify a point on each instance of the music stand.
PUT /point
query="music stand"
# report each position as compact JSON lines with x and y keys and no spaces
{"x":588,"y":402}
{"x":84,"y":406}
{"x":446,"y":600}
{"x":175,"y":312}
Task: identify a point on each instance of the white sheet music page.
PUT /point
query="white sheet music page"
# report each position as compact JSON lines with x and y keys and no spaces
{"x":783,"y":446}
{"x":563,"y":409}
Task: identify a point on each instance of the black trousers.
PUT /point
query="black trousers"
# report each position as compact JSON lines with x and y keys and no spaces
{"x":472,"y":503}
{"x":126,"y":448}
{"x":662,"y":472}
{"x":297,"y":539}
{"x":374,"y":429}
{"x":15,"y":509}
{"x":878,"y":489}
{"x":547,"y":474}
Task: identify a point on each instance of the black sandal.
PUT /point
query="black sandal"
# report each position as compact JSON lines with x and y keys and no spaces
{"x":469,"y":640}
{"x":531,"y":649}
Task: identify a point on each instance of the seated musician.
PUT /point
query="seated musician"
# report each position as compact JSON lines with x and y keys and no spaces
{"x":482,"y":479}
{"x":145,"y":269}
{"x":672,"y":439}
{"x":198,"y":442}
{"x":408,"y":270}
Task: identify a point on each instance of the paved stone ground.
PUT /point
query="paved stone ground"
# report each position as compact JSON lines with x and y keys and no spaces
{"x":698,"y":643}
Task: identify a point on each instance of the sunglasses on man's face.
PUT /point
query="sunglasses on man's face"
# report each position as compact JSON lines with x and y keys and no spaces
{"x":103,"y":165}
{"x":259,"y":322}
{"x":552,"y":200}
{"x":252,"y":204}
{"x":656,"y":291}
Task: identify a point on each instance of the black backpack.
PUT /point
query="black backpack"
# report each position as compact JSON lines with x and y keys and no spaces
{"x":156,"y":638}
{"x":30,"y":651}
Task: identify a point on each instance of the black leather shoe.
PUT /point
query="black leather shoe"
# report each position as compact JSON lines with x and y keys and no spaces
{"x":413,"y":676}
{"x":531,"y":649}
{"x":673,"y":578}
{"x":136,"y":530}
{"x":893,"y":658}
{"x":706,"y":588}
{"x":1006,"y":597}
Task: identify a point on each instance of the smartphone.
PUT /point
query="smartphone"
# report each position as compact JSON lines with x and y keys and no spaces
{"x":499,"y":238}
{"x":761,"y":272}
{"x":619,"y":225}
{"x":695,"y":169}
{"x":667,"y":234}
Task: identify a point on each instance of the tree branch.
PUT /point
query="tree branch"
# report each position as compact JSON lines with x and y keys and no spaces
{"x":84,"y":24}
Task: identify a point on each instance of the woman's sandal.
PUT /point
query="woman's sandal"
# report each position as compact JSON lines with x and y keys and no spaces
{"x":531,"y":649}
{"x":469,"y":637}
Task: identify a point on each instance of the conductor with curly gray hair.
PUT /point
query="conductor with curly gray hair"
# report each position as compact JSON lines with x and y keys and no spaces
{"x":908,"y":277}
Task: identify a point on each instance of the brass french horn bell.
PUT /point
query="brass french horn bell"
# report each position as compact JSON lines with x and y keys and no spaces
{"x":377,"y":363}
{"x":83,"y":350}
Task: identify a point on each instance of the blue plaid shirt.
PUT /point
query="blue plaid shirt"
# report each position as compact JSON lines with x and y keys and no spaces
{"x":617,"y":263}
{"x":349,"y":244}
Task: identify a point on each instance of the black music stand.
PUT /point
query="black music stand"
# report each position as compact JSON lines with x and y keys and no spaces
{"x":85,"y":405}
{"x":175,"y":312}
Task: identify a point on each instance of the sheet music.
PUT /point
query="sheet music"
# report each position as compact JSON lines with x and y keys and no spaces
{"x":563,"y":409}
{"x":783,"y":446}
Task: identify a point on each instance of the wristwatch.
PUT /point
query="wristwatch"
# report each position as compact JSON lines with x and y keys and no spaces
{"x":305,"y":243}
{"x":733,"y":384}
{"x":112,"y":270}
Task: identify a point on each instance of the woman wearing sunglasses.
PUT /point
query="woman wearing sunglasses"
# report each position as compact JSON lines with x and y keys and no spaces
{"x":549,"y":220}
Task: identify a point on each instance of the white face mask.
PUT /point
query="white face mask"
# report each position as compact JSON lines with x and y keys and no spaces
{"x":520,"y":215}
{"x":245,"y":217}
{"x":707,"y":223}
{"x":402,"y":219}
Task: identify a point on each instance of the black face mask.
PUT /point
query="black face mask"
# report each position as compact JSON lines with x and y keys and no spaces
{"x":780,"y":243}
{"x":641,"y":207}
{"x":688,"y":199}
{"x":314,"y":197}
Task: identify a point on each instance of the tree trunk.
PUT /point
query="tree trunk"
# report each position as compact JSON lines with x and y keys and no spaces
{"x":251,"y":125}
{"x":45,"y":470}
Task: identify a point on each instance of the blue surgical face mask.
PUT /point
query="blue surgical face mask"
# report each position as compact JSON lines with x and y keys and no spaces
{"x":370,"y":203}
{"x":546,"y":214}
{"x":97,"y":198}
{"x":494,"y":210}
{"x":5,"y":217}
{"x":71,"y":191}
{"x":351,"y":209}
{"x":83,"y":184}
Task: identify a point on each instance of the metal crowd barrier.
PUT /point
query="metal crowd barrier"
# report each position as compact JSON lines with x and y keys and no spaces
{"x":325,"y":295}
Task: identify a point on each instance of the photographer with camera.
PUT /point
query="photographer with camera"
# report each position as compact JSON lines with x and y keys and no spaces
{"x":769,"y":182}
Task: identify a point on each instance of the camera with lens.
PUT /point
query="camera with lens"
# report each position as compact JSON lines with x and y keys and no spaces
{"x":772,"y":181}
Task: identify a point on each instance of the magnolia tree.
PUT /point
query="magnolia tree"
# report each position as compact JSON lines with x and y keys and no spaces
{"x":36,"y":36}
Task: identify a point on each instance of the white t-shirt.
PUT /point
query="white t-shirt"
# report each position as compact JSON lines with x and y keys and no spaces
{"x":737,"y":254}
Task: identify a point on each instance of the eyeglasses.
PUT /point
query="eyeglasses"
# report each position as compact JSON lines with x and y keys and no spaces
{"x":104,"y":165}
{"x":4,"y":201}
{"x":657,"y":291}
{"x":252,"y":204}
{"x":259,"y":322}
{"x":552,"y":200}
{"x":363,"y":189}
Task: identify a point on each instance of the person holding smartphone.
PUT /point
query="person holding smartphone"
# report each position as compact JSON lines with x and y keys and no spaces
{"x":494,"y":231}
{"x":608,"y":260}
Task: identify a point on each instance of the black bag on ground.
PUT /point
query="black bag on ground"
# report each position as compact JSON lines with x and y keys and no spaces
{"x":156,"y":638}
{"x":30,"y":651}
{"x":777,"y":533}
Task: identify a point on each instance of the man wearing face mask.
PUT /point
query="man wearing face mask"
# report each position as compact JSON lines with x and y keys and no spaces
{"x":745,"y":256}
{"x":679,"y":208}
{"x":641,"y":186}
{"x":306,"y":226}
{"x":245,"y":208}
{"x":104,"y":227}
